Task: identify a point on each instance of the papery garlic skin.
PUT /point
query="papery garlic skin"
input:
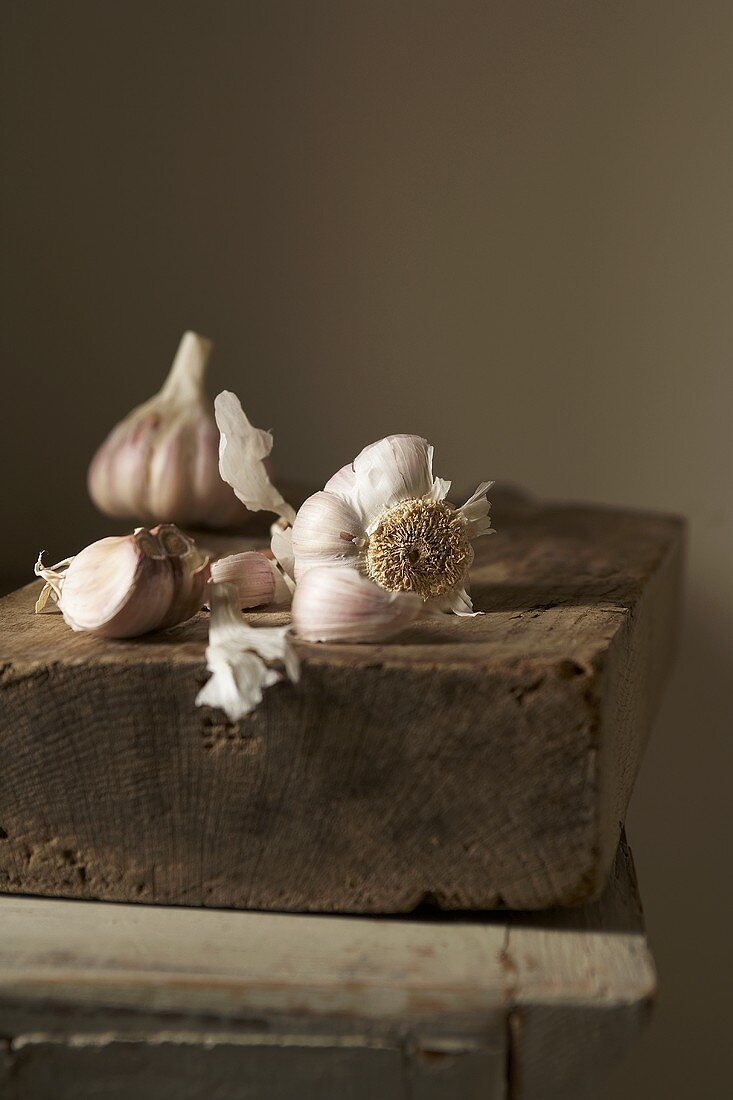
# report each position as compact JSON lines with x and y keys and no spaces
{"x":161,"y":463}
{"x":386,"y":516}
{"x":243,"y":450}
{"x":281,"y":547}
{"x":340,"y":605}
{"x":191,"y":569}
{"x":236,"y":656}
{"x":129,"y":585}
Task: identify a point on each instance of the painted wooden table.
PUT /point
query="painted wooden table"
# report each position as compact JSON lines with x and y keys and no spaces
{"x":120,"y":1001}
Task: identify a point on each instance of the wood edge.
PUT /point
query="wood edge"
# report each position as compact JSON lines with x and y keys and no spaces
{"x":563,"y":1047}
{"x":641,"y":656}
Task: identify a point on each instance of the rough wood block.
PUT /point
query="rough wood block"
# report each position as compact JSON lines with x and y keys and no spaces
{"x":473,"y":764}
{"x":120,"y":1001}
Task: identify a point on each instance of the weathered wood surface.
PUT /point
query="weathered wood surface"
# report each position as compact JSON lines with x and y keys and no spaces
{"x":473,"y":764}
{"x":171,"y":1004}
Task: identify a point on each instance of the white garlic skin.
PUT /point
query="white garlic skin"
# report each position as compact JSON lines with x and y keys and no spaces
{"x":240,"y":656}
{"x":161,"y":463}
{"x":337,"y":604}
{"x":321,"y":529}
{"x":125,"y":586}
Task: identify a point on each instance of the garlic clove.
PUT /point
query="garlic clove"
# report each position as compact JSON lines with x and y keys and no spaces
{"x":340,"y":605}
{"x":119,"y":468}
{"x":343,"y":481}
{"x":191,"y":570}
{"x":117,"y":587}
{"x":168,"y":473}
{"x":326,"y":531}
{"x":398,"y":467}
{"x":251,"y":573}
{"x":161,"y":463}
{"x":125,"y":586}
{"x":236,"y":656}
{"x":258,"y":576}
{"x":243,"y":450}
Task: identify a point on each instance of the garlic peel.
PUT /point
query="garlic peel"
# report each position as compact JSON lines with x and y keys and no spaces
{"x":161,"y":461}
{"x":242,"y":451}
{"x":238,"y":679}
{"x":53,"y":576}
{"x":476,"y":512}
{"x":339,"y":605}
{"x":237,"y":656}
{"x":456,"y":600}
{"x":281,"y":547}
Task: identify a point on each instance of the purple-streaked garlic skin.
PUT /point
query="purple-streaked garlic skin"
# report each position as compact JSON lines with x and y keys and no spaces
{"x":252,"y":574}
{"x":161,"y":463}
{"x":337,"y":604}
{"x":208,"y":486}
{"x":126,"y":586}
{"x":190,"y":569}
{"x":117,"y":587}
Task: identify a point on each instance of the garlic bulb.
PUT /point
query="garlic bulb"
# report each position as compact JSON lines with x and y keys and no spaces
{"x":340,"y":605}
{"x":386,"y":516}
{"x":161,"y":462}
{"x":122,"y":587}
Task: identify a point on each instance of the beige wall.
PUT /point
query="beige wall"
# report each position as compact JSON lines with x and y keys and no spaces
{"x":506,"y":226}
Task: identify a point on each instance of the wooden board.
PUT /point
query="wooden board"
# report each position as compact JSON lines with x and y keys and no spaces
{"x":473,"y":764}
{"x":120,"y":1000}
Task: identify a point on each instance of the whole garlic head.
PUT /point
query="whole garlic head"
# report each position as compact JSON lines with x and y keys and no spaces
{"x":161,"y":463}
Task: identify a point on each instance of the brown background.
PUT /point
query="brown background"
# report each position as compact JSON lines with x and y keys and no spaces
{"x":505,"y":226}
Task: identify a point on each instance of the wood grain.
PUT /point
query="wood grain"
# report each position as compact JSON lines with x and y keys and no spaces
{"x":472,"y":764}
{"x":172,"y":1003}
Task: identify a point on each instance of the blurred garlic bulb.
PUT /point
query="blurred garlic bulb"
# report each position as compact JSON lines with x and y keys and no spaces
{"x":341,"y":605}
{"x":256,"y":577}
{"x":125,"y":586}
{"x":161,"y":462}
